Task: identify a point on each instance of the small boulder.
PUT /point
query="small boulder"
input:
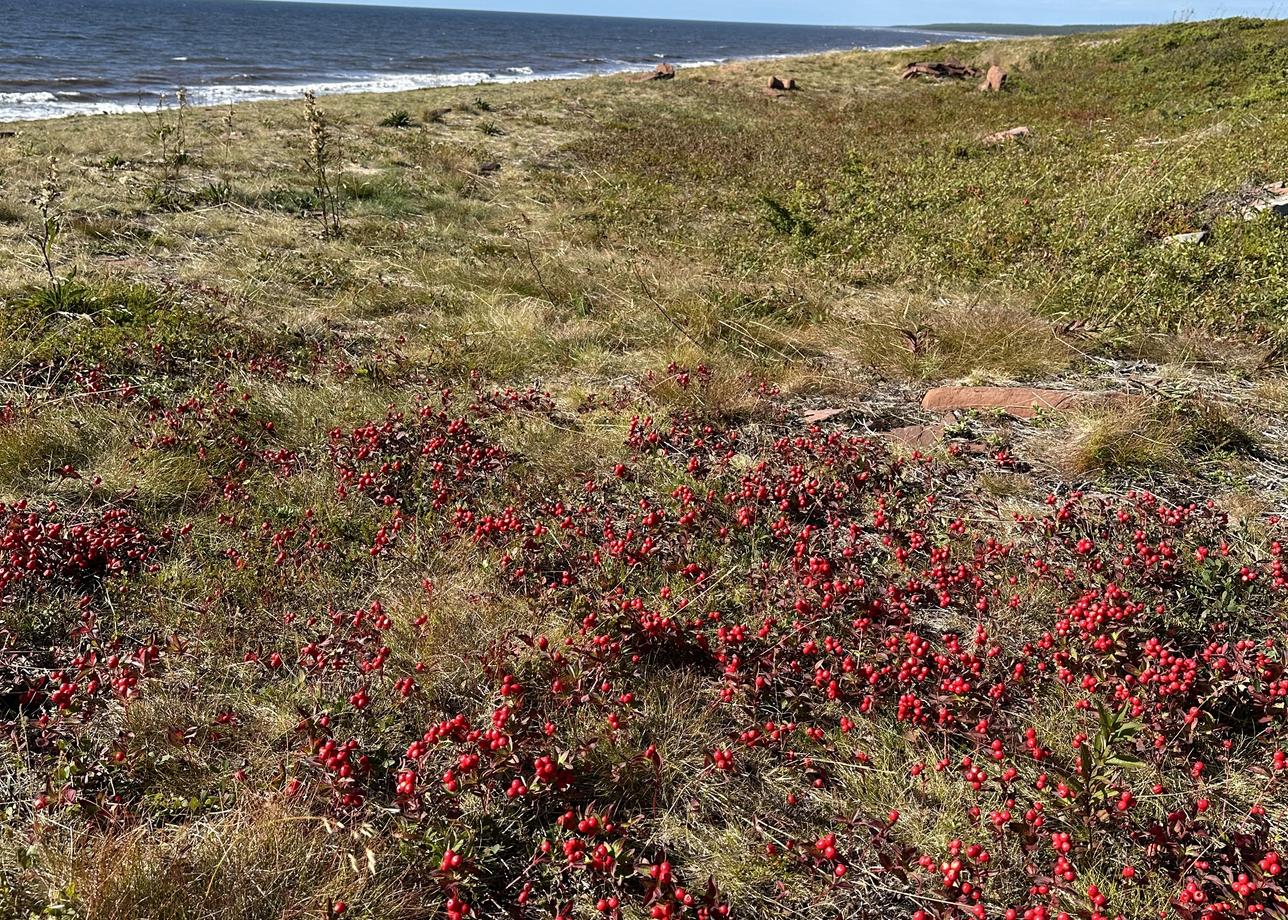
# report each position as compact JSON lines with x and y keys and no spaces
{"x":1185,"y":239}
{"x":1010,"y":134}
{"x":663,"y":71}
{"x":994,"y":80}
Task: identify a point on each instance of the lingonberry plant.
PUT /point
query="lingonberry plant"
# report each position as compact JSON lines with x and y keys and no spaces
{"x":763,"y":669}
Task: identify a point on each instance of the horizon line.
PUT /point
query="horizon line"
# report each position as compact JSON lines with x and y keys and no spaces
{"x":934,"y":26}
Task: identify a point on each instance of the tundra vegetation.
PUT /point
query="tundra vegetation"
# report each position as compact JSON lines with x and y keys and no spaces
{"x":517,"y":501}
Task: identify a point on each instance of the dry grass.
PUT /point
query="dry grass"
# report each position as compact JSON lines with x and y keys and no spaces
{"x":905,"y":336}
{"x":1117,"y":438}
{"x":1136,"y":436}
{"x":227,"y":867}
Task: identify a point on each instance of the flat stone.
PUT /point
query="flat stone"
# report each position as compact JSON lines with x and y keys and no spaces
{"x":1182,"y":239}
{"x":1021,"y":402}
{"x":918,"y":436}
{"x":814,"y":416}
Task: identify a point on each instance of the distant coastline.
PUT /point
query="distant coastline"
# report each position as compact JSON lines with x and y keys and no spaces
{"x":1015,"y":29}
{"x":207,"y":97}
{"x":270,"y":50}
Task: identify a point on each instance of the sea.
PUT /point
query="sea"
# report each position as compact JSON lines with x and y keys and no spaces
{"x":76,"y":57}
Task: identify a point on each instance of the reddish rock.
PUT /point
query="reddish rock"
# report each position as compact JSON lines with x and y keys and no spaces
{"x":1022,"y":402}
{"x":994,"y":80}
{"x":814,"y":416}
{"x":663,"y":71}
{"x":1010,"y":134}
{"x":918,"y":436}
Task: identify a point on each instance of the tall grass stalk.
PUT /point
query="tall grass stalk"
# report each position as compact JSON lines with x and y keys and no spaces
{"x":318,"y":167}
{"x":50,"y":226}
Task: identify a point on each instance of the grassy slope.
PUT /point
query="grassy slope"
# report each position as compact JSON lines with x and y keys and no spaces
{"x":1016,"y":29}
{"x":693,"y":251}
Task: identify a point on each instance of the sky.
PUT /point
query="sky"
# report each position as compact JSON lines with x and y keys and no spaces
{"x":865,"y":12}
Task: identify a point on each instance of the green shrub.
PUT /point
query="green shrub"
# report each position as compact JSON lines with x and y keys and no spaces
{"x":399,"y":118}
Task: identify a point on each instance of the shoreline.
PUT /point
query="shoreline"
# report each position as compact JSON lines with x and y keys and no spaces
{"x":381,"y":84}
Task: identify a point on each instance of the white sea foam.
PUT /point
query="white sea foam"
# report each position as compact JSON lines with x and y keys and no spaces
{"x":20,"y":98}
{"x":40,"y":105}
{"x":378,"y":83}
{"x":35,"y":109}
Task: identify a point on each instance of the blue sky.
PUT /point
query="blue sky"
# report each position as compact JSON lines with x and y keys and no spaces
{"x":863,"y":12}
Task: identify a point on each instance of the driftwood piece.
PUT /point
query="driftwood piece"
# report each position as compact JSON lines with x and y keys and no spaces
{"x":940,"y":70}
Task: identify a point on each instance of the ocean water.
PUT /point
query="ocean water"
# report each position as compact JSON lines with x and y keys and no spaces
{"x":69,"y":57}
